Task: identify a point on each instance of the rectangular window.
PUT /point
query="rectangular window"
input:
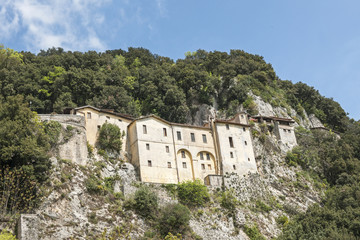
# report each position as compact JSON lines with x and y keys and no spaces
{"x":244,"y":129}
{"x":88,"y":115}
{"x":98,"y":127}
{"x":209,"y":166}
{"x":107,"y":117}
{"x":231,"y":142}
{"x":203,"y":166}
{"x":149,"y":163}
{"x":184,"y":164}
{"x":169,"y":164}
{"x":183,"y":154}
{"x":192,"y":137}
{"x":144,"y":129}
{"x":119,"y":120}
{"x":147,"y":146}
{"x":167,"y":149}
{"x":234,"y":167}
{"x":208,"y":156}
{"x":242,"y":116}
{"x":284,"y":130}
{"x":249,"y":159}
{"x":245,"y":142}
{"x":178,"y":133}
{"x":231,"y":155}
{"x":227,"y":126}
{"x":201,"y":156}
{"x":164,"y":131}
{"x":289,"y":131}
{"x":204,"y":138}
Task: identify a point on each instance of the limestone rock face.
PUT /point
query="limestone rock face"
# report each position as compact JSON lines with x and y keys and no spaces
{"x":266,"y":109}
{"x":202,"y":115}
{"x":315,"y":122}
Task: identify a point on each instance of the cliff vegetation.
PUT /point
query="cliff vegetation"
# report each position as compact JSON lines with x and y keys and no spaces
{"x":311,"y":192}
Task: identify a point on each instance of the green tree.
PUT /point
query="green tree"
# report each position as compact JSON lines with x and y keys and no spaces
{"x":174,"y":219}
{"x":146,"y":202}
{"x":22,"y":139}
{"x":193,"y":193}
{"x":109,"y":138}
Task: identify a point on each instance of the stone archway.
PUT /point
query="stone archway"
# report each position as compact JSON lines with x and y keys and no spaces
{"x":185,"y":165}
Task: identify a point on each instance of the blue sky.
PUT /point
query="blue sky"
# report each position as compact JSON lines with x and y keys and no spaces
{"x":316,"y":42}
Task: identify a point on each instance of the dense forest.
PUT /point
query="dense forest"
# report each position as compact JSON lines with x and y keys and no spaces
{"x":138,"y":82}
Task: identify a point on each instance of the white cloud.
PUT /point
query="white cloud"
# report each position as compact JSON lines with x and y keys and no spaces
{"x":161,"y":7}
{"x":70,"y":24}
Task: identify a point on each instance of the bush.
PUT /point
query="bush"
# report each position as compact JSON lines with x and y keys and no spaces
{"x":145,"y":202}
{"x":282,"y":220}
{"x":253,"y":232}
{"x":193,"y":193}
{"x":52,"y":130}
{"x":228,"y":201}
{"x":94,"y":185}
{"x":5,"y":235}
{"x":109,"y":138}
{"x":262,"y":206}
{"x":174,"y":219}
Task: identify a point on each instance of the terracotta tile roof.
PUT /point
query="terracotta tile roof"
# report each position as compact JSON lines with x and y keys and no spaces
{"x":108,"y":111}
{"x":274,"y":118}
{"x":230,"y":122}
{"x":169,"y":123}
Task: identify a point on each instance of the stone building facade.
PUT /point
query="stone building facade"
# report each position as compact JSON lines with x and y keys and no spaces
{"x":282,"y":127}
{"x":166,"y":152}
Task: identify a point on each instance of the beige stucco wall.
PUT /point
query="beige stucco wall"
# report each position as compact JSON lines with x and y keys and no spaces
{"x":241,"y":118}
{"x":159,"y":171}
{"x":193,"y":150}
{"x":97,"y":119}
{"x":243,"y":154}
{"x":287,"y":135}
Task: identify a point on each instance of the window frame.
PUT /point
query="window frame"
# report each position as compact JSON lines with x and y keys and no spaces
{"x":192,"y":136}
{"x":204,"y":138}
{"x":231,"y":142}
{"x":178,"y":135}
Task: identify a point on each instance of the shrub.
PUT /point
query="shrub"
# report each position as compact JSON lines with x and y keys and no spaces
{"x":68,"y":133}
{"x":174,"y":219}
{"x":253,"y":232}
{"x":94,"y":185}
{"x":52,"y":130}
{"x":145,"y":202}
{"x":293,"y":158}
{"x":14,"y":183}
{"x":264,"y":207}
{"x":228,"y":201}
{"x":5,"y":235}
{"x":173,"y":237}
{"x":282,"y":220}
{"x":90,"y":149}
{"x":193,"y":193}
{"x":109,"y":138}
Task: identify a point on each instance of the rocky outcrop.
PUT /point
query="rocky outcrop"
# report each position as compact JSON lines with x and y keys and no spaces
{"x":315,"y":122}
{"x":266,"y":109}
{"x":202,"y":115}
